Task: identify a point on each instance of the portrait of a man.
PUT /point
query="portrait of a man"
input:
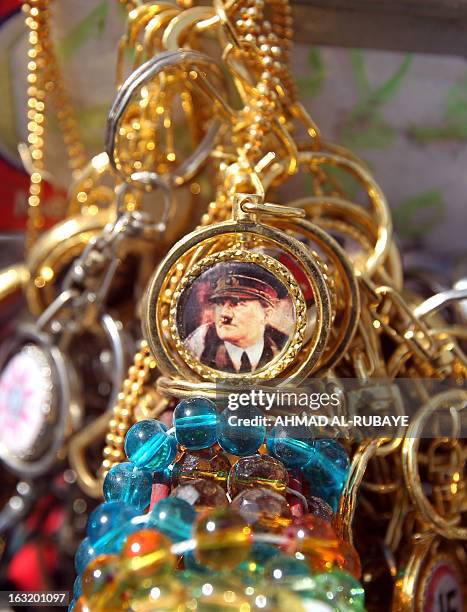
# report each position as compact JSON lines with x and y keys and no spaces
{"x":244,"y":316}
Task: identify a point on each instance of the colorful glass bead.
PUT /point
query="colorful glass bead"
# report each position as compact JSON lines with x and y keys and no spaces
{"x":79,"y":605}
{"x":284,"y":569}
{"x":147,"y":553}
{"x":84,"y":554}
{"x":348,"y":559}
{"x":190,"y":563}
{"x":195,"y":422}
{"x":201,"y":494}
{"x":257,"y":471}
{"x":216,"y":593}
{"x":320,"y":508}
{"x":268,"y":597}
{"x":77,"y":587}
{"x":125,"y":482}
{"x":327,"y":470}
{"x":283,"y":444}
{"x":147,"y":445}
{"x":263,"y":507}
{"x":173,"y":517}
{"x":164,"y":595}
{"x":241,"y":439}
{"x":342,"y":590}
{"x":302,"y":529}
{"x":105,"y":522}
{"x":223,"y":539}
{"x":206,"y":464}
{"x":100,"y":575}
{"x":252,"y":568}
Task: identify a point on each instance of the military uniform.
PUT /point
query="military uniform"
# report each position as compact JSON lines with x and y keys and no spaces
{"x":213,"y":352}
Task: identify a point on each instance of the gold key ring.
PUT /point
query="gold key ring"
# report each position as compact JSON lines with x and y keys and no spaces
{"x":454,"y":400}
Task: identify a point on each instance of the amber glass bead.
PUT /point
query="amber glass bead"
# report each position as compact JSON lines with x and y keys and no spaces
{"x":223,"y":539}
{"x":263,"y":508}
{"x":206,"y":464}
{"x":257,"y":471}
{"x":216,"y":594}
{"x":81,"y":605}
{"x":164,"y":595}
{"x":147,"y":553}
{"x":100,"y":575}
{"x":307,"y":526}
{"x":348,"y":559}
{"x":202,"y":494}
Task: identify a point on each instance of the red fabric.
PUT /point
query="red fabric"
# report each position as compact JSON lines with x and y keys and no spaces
{"x":30,"y":564}
{"x":9,"y":6}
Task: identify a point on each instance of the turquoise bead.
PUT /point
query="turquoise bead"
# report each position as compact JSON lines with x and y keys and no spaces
{"x":148,"y":446}
{"x":195,"y":422}
{"x":235,"y":436}
{"x":125,"y":482}
{"x":283,"y":444}
{"x":327,"y":470}
{"x":283,"y":569}
{"x":192,"y":564}
{"x":84,"y":554}
{"x":72,"y":604}
{"x":252,"y":569}
{"x":106,"y":521}
{"x":173,"y":517}
{"x":341,"y":590}
{"x":77,"y":587}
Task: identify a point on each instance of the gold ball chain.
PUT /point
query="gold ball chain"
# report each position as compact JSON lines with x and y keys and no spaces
{"x":128,"y":398}
{"x":43,"y":79}
{"x":251,"y":26}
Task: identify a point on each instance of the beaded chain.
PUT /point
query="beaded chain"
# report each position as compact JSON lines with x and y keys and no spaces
{"x":44,"y":81}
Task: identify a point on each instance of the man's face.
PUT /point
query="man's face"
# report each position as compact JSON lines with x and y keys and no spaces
{"x":240,"y":321}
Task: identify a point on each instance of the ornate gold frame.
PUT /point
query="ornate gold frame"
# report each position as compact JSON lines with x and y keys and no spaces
{"x":232,"y":239}
{"x":294,"y":344}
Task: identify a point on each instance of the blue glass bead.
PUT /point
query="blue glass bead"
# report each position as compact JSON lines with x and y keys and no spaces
{"x":72,"y":604}
{"x":192,"y":564}
{"x":84,"y":554}
{"x":114,"y":545}
{"x":284,"y":569}
{"x":77,"y":587}
{"x":106,"y":521}
{"x":252,"y":569}
{"x":342,"y":590}
{"x":173,"y":517}
{"x":195,"y":422}
{"x":284,"y":444}
{"x":327,"y":470}
{"x":241,"y":432}
{"x":125,"y":482}
{"x":148,"y":446}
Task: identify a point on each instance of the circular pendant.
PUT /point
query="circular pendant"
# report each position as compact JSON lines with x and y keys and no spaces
{"x":238,"y":313}
{"x":441,"y":586}
{"x":26,"y":401}
{"x":221,"y":307}
{"x":35,"y":401}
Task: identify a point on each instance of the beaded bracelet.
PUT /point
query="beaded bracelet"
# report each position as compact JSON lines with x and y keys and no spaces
{"x":244,"y":528}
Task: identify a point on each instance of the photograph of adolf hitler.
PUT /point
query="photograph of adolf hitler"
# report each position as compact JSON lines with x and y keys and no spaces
{"x":236,"y":317}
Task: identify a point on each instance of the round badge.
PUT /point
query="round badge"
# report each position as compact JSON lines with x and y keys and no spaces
{"x":238,"y":316}
{"x":25,"y":401}
{"x":442,"y":590}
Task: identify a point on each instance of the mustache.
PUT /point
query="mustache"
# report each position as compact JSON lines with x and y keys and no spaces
{"x":226,"y":319}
